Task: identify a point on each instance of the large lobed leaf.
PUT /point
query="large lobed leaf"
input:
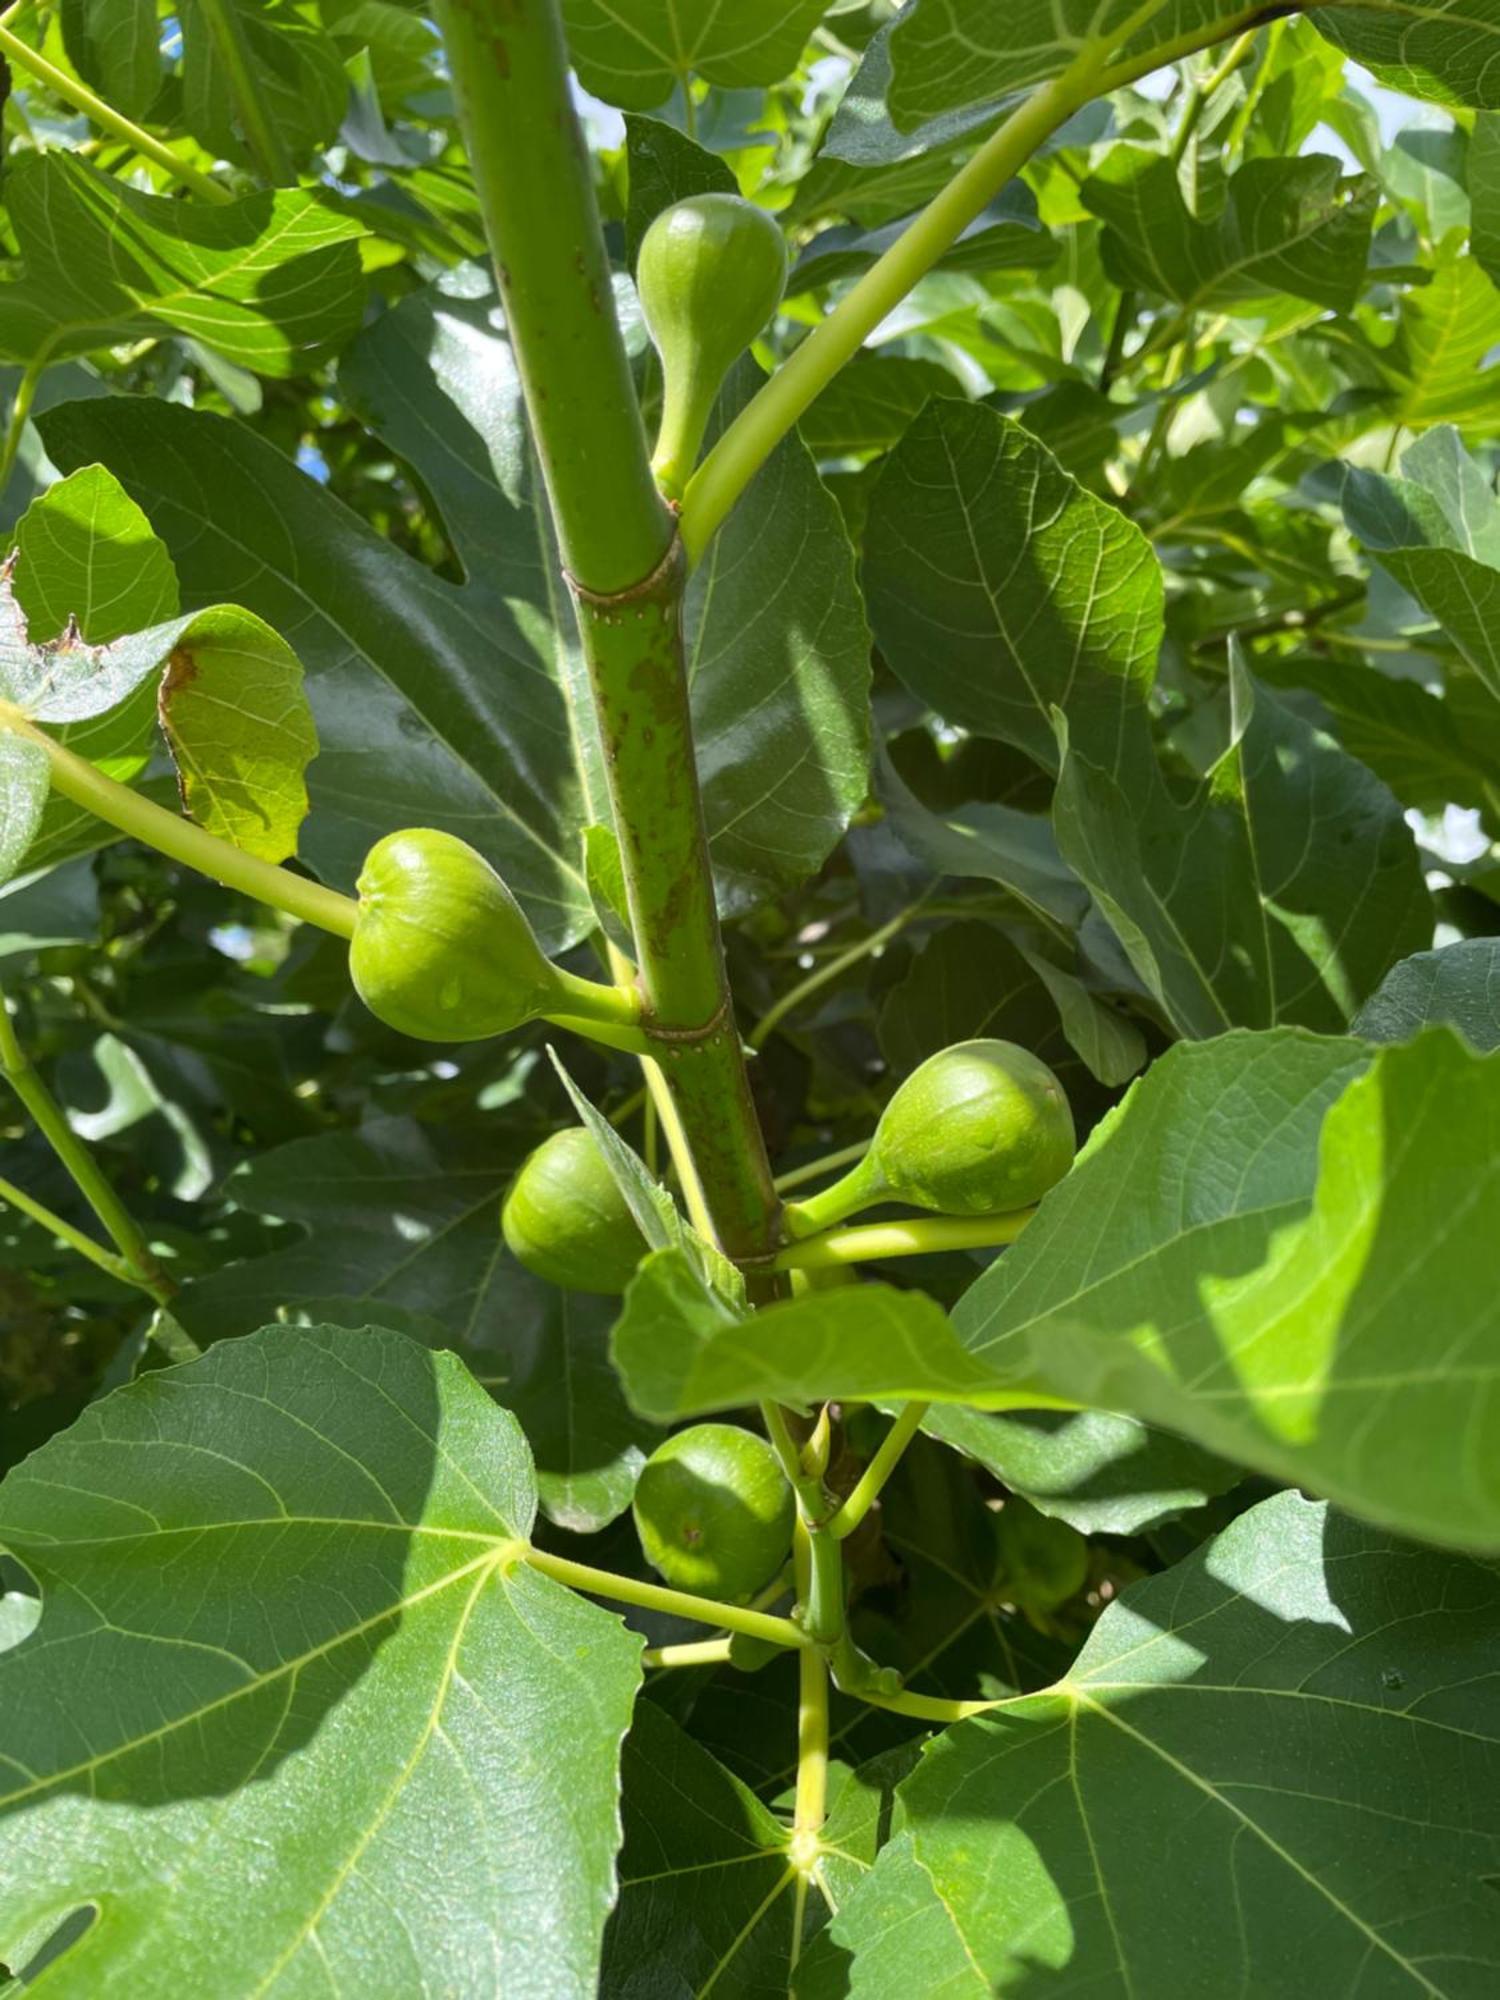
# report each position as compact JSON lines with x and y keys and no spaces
{"x":1021,"y":606}
{"x":951,"y":53}
{"x":1279,"y":890}
{"x":294,"y":1708}
{"x":1287,"y":226}
{"x":1284,"y":1248}
{"x":1292,"y":1737}
{"x":635,"y":52}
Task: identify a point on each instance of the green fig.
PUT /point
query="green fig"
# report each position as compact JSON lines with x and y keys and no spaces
{"x":711,"y":272}
{"x":566,"y":1220}
{"x":443,"y":952}
{"x":714,"y":1512}
{"x":1043,"y":1561}
{"x":979,"y":1129}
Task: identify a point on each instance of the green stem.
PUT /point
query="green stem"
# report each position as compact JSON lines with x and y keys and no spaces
{"x":749,"y":441}
{"x":698,"y":1653}
{"x":66,"y":1233}
{"x":811,"y":1807}
{"x":20,"y":410}
{"x":817,"y":1170}
{"x":921,"y":1237}
{"x":759,"y":428}
{"x":824,"y":975}
{"x":47,"y":1114}
{"x":927,"y":1707}
{"x":879,"y":1470}
{"x":71,"y":91}
{"x":625,"y":567}
{"x":178,"y":838}
{"x":227,"y":32}
{"x":1119,"y":333}
{"x":659,"y":1098}
{"x":1201,"y":95}
{"x":657,"y":1597}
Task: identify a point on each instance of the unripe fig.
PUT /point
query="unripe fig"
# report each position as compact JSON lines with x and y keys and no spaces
{"x":978,"y":1129}
{"x":711,"y":272}
{"x":1044,"y":1562}
{"x":566,"y":1220}
{"x":441,"y":949}
{"x":714,"y":1512}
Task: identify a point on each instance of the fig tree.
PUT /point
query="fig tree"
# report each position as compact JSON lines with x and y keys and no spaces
{"x":714,"y":1512}
{"x":566,"y":1220}
{"x":978,"y":1129}
{"x":711,"y":272}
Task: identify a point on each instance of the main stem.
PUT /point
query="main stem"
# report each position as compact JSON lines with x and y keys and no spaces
{"x":619,"y":546}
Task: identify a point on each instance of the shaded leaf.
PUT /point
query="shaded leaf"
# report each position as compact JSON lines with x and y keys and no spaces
{"x":295,"y":72}
{"x":665,"y":167}
{"x":870,"y":402}
{"x":115,"y":45}
{"x":1484,"y":193}
{"x":1281,"y":890}
{"x":1459,"y":985}
{"x":706,"y":1885}
{"x":393,"y":1212}
{"x":1437,"y":530}
{"x":296,"y":1561}
{"x":1103,"y":1474}
{"x":999,"y":589}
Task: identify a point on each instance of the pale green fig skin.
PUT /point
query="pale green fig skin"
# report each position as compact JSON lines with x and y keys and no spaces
{"x":441,"y":949}
{"x":711,"y":272}
{"x":566,"y":1220}
{"x":714,"y":1512}
{"x":1044,"y":1562}
{"x":982,"y":1128}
